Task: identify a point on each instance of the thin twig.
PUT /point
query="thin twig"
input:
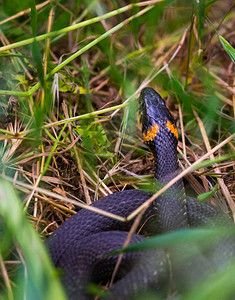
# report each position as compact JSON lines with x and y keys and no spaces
{"x":24,"y":12}
{"x":59,"y":197}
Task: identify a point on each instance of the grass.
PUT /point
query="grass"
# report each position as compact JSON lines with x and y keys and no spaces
{"x":70,"y":74}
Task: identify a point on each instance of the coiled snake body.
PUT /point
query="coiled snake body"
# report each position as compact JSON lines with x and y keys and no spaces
{"x":78,"y":246}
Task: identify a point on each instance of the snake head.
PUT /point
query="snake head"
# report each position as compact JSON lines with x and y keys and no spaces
{"x":154,"y":115}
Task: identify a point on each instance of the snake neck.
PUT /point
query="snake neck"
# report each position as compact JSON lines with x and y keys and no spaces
{"x":170,"y":207}
{"x":165,"y":165}
{"x":164,"y":151}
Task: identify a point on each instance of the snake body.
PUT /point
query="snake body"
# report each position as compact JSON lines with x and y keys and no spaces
{"x":78,"y":246}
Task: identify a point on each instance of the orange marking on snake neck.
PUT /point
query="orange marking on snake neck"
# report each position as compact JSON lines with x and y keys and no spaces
{"x":172,"y":128}
{"x":151,"y":133}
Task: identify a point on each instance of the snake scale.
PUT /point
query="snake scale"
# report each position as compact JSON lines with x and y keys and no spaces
{"x":79,"y":245}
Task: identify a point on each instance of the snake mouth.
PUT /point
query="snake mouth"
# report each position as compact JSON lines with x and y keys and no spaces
{"x":154,"y":115}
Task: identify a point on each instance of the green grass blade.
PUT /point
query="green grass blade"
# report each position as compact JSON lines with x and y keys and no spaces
{"x":203,"y":197}
{"x":175,"y":238}
{"x":41,"y":281}
{"x":219,"y":285}
{"x":228,"y":48}
{"x":210,"y":162}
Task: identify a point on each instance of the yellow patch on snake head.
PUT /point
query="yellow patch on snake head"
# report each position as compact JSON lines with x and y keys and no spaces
{"x":151,"y":133}
{"x":172,"y":128}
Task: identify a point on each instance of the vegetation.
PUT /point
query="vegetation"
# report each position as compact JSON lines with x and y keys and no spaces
{"x":70,"y":75}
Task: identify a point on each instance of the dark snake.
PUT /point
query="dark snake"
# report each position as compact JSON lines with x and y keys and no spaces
{"x":79,"y":245}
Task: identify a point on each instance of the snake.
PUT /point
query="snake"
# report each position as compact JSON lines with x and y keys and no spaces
{"x":79,"y":246}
